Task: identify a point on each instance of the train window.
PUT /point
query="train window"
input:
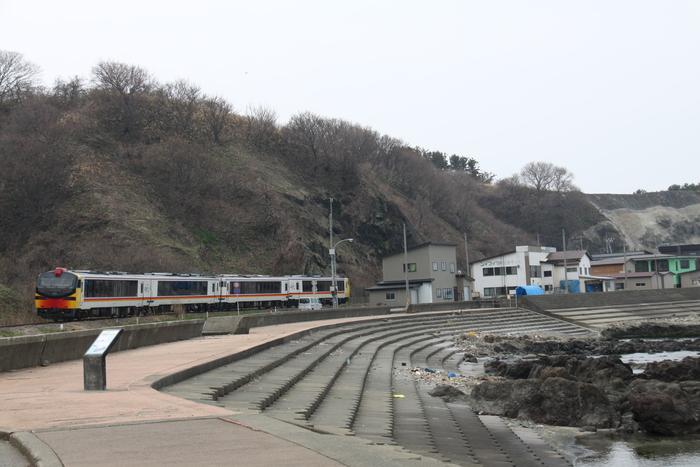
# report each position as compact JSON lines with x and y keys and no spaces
{"x":110,"y":288}
{"x":171,"y":288}
{"x":263,"y":287}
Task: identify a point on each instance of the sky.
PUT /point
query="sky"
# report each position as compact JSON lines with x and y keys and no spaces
{"x":608,"y":89}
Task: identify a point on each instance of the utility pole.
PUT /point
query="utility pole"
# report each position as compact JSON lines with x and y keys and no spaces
{"x":405,"y":267}
{"x":624,"y":250}
{"x":466,"y":254}
{"x":330,"y":244}
{"x":566,"y":277}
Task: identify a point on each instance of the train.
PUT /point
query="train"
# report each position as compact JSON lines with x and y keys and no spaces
{"x":63,"y":294}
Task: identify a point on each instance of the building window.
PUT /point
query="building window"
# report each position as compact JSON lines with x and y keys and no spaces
{"x":620,"y":286}
{"x":435,"y":268}
{"x":547,"y":288}
{"x":685,"y":263}
{"x":444,"y":266}
{"x":535,"y":271}
{"x":511,"y":271}
{"x":447,"y":294}
{"x":452,"y":268}
{"x":489,"y":291}
{"x":438,"y":293}
{"x":574,"y":269}
{"x":488,"y":272}
{"x":547,"y":273}
{"x":641,"y":284}
{"x":411,"y":267}
{"x":641,"y":267}
{"x":390,"y":296}
{"x":663,"y":265}
{"x":696,"y":281}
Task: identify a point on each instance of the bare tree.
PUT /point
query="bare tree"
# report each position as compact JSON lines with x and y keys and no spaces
{"x":261,"y":126}
{"x":17,"y":76}
{"x":69,"y":93}
{"x":545,"y":176}
{"x":216,"y":114}
{"x":313,"y":134}
{"x":563,"y":180}
{"x":182,"y":99}
{"x":125,"y":87}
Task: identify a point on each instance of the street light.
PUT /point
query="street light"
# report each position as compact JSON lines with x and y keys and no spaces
{"x":334,"y":292}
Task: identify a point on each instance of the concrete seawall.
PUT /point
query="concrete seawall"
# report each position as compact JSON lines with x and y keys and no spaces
{"x":29,"y":351}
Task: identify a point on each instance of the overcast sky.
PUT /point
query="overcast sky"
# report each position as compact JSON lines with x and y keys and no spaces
{"x":608,"y":89}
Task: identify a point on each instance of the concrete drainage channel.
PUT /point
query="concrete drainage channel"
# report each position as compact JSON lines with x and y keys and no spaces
{"x":343,"y":380}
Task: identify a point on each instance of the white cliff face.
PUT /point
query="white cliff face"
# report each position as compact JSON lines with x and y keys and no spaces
{"x":649,"y":219}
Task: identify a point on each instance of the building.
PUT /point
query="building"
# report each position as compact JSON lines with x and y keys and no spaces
{"x":500,"y":275}
{"x":690,"y":279}
{"x":673,"y":266}
{"x":432,"y":276}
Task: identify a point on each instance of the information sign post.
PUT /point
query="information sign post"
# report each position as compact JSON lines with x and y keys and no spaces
{"x":94,"y":369}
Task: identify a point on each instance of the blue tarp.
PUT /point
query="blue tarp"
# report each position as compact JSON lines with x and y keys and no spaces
{"x":529,"y":290}
{"x":573,"y":286}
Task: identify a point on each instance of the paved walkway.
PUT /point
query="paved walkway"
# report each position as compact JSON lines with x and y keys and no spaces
{"x":131,"y":423}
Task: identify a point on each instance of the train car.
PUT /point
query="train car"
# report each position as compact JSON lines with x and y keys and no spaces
{"x":192,"y":292}
{"x":320,"y":287}
{"x":62,"y":294}
{"x":66,"y":295}
{"x":253,"y":291}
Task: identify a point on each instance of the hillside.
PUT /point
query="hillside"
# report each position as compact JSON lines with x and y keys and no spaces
{"x":647,"y":220}
{"x":129,"y":174}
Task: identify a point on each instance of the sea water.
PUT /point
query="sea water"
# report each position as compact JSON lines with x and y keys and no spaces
{"x":640,"y":450}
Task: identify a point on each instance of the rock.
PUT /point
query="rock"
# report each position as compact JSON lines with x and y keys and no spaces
{"x":687,"y":369}
{"x":469,"y":358}
{"x":544,"y":372}
{"x":447,"y":393}
{"x":665,"y":408}
{"x":553,"y":401}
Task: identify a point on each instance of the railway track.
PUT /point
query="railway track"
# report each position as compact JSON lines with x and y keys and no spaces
{"x":343,"y":381}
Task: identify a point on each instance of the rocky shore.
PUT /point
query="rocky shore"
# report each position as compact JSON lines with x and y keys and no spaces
{"x":583,"y":382}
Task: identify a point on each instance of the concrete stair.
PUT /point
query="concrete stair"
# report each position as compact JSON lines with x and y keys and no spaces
{"x":343,"y":381}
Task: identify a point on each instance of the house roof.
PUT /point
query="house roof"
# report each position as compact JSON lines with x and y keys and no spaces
{"x":605,"y":256}
{"x":415,"y":247}
{"x":609,"y":261}
{"x":633,"y":275}
{"x":558,"y":257}
{"x":388,"y":285}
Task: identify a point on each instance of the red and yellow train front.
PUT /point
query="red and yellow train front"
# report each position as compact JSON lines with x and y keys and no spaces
{"x":57,"y":294}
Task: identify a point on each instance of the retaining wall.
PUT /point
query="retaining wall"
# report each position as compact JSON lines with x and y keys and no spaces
{"x":29,"y":351}
{"x":543,"y":303}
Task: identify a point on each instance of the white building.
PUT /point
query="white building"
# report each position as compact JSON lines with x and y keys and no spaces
{"x":500,"y":275}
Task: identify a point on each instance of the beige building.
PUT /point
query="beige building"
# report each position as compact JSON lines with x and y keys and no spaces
{"x":690,"y":279}
{"x":432,"y":277}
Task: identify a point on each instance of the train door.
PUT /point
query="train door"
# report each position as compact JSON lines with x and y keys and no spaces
{"x":147,"y":289}
{"x":294,"y":292}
